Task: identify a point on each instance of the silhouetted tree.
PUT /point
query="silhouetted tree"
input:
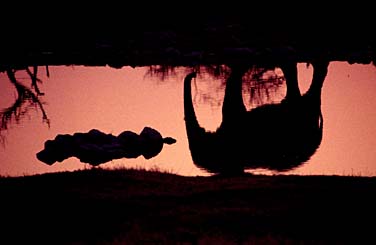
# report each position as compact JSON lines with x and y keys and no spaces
{"x":26,"y":99}
{"x":261,"y":83}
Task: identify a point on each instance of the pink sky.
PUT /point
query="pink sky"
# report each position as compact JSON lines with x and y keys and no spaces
{"x":112,"y":100}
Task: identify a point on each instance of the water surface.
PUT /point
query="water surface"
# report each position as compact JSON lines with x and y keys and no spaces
{"x":79,"y":98}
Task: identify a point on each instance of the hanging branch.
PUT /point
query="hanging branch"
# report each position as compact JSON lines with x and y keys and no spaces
{"x":262,"y":83}
{"x":34,"y":79}
{"x":26,"y":98}
{"x":161,"y":71}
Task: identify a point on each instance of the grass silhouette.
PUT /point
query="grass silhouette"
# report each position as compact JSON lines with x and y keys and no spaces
{"x":135,"y":206}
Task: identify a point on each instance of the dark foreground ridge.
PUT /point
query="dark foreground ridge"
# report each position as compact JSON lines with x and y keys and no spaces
{"x":187,"y":38}
{"x":134,"y":206}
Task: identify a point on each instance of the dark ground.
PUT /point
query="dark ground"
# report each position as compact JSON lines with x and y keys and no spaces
{"x":186,"y":34}
{"x":140,"y":207}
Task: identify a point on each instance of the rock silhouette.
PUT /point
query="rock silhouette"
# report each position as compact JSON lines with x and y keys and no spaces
{"x":96,"y":147}
{"x":278,"y":136}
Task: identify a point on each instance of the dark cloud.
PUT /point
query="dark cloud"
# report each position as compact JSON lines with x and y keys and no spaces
{"x":96,"y":147}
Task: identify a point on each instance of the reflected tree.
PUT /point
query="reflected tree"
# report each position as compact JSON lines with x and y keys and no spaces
{"x":259,"y":82}
{"x":26,"y":98}
{"x":162,"y":71}
{"x":277,"y":136}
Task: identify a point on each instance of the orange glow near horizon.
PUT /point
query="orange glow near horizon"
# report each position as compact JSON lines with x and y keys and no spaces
{"x":112,"y":100}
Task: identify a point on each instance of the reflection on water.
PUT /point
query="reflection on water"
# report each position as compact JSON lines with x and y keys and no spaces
{"x":278,"y":136}
{"x":112,"y":100}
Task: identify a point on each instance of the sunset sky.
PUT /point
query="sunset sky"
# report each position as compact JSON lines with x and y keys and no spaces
{"x":113,"y":100}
